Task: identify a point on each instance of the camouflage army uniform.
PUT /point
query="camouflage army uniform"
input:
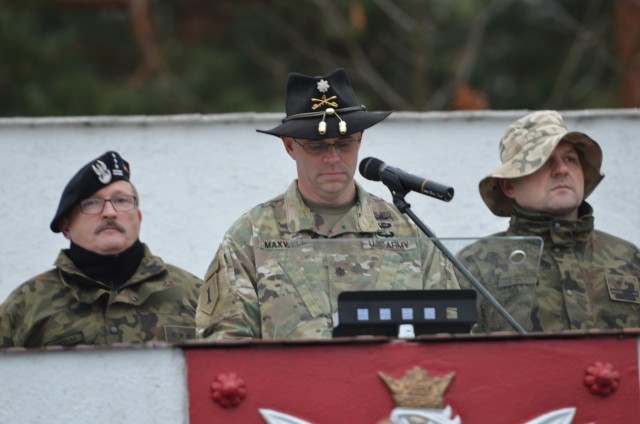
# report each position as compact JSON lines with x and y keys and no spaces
{"x":265,"y":282}
{"x":64,"y":307}
{"x":588,"y":279}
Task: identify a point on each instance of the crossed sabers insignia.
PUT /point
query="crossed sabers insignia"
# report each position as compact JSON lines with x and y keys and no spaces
{"x":324,"y":102}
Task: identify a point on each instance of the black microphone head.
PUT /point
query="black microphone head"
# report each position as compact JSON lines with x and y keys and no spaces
{"x":370,"y":168}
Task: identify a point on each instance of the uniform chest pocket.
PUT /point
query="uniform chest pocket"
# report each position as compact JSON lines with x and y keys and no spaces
{"x":288,"y":284}
{"x":76,"y":324}
{"x":286,"y":297}
{"x":515,"y":286}
{"x":516,"y":280}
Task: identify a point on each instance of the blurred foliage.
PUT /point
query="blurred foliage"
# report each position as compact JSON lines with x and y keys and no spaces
{"x":122,"y":57}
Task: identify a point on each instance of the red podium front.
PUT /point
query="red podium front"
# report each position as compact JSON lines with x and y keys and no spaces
{"x":568,"y":378}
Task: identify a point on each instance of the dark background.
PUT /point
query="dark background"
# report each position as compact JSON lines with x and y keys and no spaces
{"x":146,"y":57}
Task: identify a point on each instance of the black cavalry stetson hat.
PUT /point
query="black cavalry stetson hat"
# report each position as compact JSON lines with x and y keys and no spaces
{"x":323,"y":107}
{"x":98,"y":173}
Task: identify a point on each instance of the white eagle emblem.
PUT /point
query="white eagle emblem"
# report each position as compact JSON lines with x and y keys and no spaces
{"x":103,"y":173}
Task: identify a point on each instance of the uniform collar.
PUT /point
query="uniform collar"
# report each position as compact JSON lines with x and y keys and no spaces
{"x":300,"y":218}
{"x":557,"y":231}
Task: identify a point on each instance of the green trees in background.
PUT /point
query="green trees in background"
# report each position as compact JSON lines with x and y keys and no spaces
{"x":122,"y":57}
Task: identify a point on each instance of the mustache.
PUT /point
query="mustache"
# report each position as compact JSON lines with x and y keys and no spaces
{"x":563,"y":181}
{"x":109,"y":223}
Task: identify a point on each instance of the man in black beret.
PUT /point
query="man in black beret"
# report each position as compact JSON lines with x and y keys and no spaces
{"x":260,"y":283}
{"x":107,"y":287}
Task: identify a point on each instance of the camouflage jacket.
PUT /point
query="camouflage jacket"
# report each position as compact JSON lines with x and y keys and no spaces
{"x":587,"y":279}
{"x":64,"y":307}
{"x":269,"y":280}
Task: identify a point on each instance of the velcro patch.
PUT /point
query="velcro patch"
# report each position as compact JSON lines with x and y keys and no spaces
{"x":396,"y":245}
{"x":208,"y":295}
{"x":623,"y":288}
{"x":282,"y":244}
{"x":67,"y":340}
{"x":178,"y":333}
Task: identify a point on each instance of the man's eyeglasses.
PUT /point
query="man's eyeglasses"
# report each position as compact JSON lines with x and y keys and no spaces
{"x":121,"y":203}
{"x":318,"y":148}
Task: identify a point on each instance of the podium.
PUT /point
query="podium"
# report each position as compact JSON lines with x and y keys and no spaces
{"x":587,"y":377}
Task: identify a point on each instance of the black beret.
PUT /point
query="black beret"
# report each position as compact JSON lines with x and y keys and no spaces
{"x":98,"y":173}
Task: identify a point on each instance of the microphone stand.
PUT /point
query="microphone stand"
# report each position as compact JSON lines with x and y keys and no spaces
{"x":404,"y":207}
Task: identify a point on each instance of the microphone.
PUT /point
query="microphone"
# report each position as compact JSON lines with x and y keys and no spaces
{"x":396,"y":179}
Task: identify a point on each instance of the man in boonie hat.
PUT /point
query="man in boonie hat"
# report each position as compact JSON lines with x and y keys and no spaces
{"x":256,"y":286}
{"x":587,"y":279}
{"x":107,"y":287}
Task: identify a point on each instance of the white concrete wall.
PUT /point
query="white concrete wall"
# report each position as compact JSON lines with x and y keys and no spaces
{"x":197,"y":174}
{"x":109,"y":386}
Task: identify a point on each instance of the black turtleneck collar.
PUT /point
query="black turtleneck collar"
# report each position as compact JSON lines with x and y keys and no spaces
{"x":113,"y":270}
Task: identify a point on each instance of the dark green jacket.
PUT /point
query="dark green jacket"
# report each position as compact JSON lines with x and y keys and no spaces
{"x":65,"y":307}
{"x":587,"y":279}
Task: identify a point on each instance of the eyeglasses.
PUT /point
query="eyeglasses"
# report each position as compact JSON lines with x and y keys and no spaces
{"x":120,"y":203}
{"x":318,"y":148}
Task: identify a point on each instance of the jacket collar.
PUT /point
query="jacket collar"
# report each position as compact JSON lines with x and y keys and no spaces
{"x":300,"y":218}
{"x":556,"y":231}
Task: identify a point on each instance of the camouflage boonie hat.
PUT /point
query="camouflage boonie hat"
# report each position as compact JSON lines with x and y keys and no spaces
{"x":527,"y":145}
